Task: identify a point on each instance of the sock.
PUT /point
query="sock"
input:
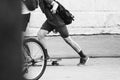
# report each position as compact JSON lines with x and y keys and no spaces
{"x":81,"y":54}
{"x":46,"y":53}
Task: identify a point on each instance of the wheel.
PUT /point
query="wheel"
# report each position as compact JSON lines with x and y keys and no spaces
{"x":34,"y":59}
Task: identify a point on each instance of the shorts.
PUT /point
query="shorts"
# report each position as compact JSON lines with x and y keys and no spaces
{"x":57,"y":24}
{"x":25,"y":20}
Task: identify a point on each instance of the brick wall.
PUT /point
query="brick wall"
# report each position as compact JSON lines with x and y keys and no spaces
{"x":91,"y":17}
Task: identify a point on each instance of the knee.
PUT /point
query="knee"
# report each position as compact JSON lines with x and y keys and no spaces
{"x":68,"y":40}
{"x":40,"y":35}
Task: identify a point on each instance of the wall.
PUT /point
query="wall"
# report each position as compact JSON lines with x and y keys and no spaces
{"x":91,"y":17}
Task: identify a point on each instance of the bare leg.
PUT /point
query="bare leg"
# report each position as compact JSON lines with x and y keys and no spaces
{"x":41,"y":37}
{"x":75,"y":46}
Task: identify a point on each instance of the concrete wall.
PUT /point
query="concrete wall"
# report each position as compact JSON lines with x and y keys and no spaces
{"x":91,"y":17}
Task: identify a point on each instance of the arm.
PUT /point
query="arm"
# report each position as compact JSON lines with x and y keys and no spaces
{"x":54,"y":8}
{"x":54,"y":4}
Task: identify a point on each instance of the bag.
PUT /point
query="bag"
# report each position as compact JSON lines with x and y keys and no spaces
{"x":65,"y":14}
{"x":31,"y":4}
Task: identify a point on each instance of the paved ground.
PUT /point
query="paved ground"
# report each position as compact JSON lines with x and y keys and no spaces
{"x":95,"y":69}
{"x":92,"y":45}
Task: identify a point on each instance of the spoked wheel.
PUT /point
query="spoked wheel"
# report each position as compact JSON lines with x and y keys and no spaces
{"x":34,"y":59}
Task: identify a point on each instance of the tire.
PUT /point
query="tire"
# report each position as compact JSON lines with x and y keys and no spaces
{"x":35,"y":59}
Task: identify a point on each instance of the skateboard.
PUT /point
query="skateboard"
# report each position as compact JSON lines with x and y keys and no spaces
{"x":54,"y":61}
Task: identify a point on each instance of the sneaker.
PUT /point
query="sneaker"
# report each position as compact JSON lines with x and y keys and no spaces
{"x":83,"y":61}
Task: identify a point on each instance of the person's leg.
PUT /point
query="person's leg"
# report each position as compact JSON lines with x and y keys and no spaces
{"x":65,"y":35}
{"x":45,"y":29}
{"x":60,"y":27}
{"x":41,"y":37}
{"x":75,"y":46}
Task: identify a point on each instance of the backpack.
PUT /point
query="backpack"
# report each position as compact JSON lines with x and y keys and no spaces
{"x":31,"y":4}
{"x":65,"y":14}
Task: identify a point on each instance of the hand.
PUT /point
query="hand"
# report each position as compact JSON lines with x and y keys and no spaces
{"x":55,"y":6}
{"x":53,"y":11}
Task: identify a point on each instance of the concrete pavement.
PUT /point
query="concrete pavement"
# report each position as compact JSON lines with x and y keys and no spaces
{"x":95,"y":69}
{"x":107,"y":68}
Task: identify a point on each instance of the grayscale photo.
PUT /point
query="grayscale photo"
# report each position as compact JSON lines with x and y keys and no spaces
{"x":60,"y":39}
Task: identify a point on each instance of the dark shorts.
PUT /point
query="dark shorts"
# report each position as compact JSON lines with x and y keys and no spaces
{"x":25,"y":20}
{"x":58,"y":24}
